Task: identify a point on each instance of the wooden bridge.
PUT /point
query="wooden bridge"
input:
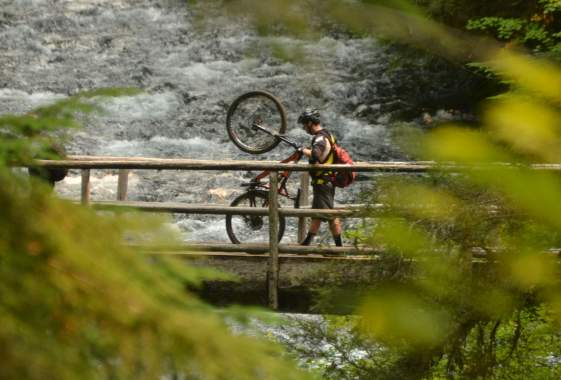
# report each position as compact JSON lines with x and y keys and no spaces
{"x":281,"y":276}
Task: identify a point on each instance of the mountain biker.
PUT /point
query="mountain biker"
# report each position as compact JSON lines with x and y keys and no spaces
{"x":320,"y":152}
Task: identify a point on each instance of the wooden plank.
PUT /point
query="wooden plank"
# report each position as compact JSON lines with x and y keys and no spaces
{"x":123,"y":184}
{"x":273,"y":267}
{"x":182,"y":208}
{"x":263,"y":248}
{"x":257,"y":249}
{"x":86,"y":187}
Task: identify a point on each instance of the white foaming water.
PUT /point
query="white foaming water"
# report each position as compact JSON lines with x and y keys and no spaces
{"x":17,"y":101}
{"x":140,"y":107}
{"x":200,"y":75}
{"x":203,"y":229}
{"x":355,"y":133}
{"x":159,"y":146}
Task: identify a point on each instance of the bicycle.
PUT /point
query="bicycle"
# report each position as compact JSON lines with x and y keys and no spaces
{"x":256,"y":122}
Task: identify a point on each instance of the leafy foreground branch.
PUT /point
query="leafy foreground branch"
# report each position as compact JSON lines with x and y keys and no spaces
{"x":77,"y":304}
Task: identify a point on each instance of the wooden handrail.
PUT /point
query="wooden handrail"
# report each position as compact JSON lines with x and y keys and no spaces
{"x":188,"y":164}
{"x":98,"y":162}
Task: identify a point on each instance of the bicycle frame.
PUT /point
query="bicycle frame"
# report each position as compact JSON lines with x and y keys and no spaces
{"x":255,"y":182}
{"x":295,"y":157}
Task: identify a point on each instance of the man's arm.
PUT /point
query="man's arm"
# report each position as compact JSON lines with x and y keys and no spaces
{"x":306,"y":152}
{"x":320,"y":150}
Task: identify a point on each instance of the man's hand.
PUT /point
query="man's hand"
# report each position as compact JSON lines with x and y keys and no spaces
{"x":305,"y":151}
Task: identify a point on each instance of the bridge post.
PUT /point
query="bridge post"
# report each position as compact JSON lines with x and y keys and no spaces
{"x":303,"y":200}
{"x":86,"y":186}
{"x":123,"y":184}
{"x":273,"y":265}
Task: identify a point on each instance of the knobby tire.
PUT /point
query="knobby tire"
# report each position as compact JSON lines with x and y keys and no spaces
{"x":272,"y":114}
{"x":261,"y":200}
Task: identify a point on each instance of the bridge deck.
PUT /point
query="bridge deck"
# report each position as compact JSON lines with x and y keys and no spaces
{"x":299,"y":275}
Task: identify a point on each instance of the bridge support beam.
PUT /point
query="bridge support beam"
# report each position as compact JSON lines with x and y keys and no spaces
{"x":86,"y":187}
{"x":123,"y":184}
{"x":303,"y":201}
{"x":273,"y":267}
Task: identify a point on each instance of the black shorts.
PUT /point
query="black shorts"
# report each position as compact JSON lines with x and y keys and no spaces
{"x":324,"y":196}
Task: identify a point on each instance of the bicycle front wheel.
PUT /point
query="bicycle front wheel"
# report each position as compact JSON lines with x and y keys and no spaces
{"x":255,"y":107}
{"x":251,"y":228}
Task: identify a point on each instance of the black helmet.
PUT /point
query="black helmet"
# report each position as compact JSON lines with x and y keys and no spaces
{"x":309,"y":114}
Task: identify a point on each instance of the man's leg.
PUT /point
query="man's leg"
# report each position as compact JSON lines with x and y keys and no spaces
{"x":312,"y":232}
{"x":335,"y":227}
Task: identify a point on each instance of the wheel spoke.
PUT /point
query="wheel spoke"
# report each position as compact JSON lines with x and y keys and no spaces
{"x":250,"y":228}
{"x":256,"y":107}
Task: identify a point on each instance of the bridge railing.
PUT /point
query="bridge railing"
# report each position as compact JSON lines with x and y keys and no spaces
{"x":125,"y":164}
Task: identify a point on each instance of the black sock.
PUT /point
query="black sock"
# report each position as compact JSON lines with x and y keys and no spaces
{"x":308,"y":239}
{"x":338,"y":241}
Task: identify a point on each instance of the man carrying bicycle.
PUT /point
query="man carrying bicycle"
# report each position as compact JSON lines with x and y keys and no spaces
{"x":320,"y":152}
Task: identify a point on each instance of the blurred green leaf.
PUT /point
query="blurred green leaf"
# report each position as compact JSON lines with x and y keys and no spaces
{"x":397,"y":317}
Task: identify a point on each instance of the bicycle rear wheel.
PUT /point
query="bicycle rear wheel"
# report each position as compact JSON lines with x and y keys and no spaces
{"x":255,"y":107}
{"x":251,"y":228}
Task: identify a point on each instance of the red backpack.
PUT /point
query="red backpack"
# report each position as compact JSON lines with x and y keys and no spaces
{"x":341,"y":156}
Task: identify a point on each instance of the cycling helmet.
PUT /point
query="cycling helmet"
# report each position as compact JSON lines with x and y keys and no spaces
{"x":309,"y":114}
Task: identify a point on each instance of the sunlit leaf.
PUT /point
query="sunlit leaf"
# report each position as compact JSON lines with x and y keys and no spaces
{"x":493,"y":302}
{"x":537,"y":76}
{"x":396,"y":317}
{"x":396,"y":234}
{"x":528,"y":127}
{"x":424,"y":202}
{"x":530,"y":270}
{"x":464,"y":147}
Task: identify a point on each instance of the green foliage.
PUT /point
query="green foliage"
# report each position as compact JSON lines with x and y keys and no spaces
{"x":505,"y":28}
{"x":481,"y":349}
{"x":531,"y":24}
{"x":493,"y":348}
{"x":79,"y":304}
{"x":531,"y":33}
{"x":476,"y":316}
{"x":550,"y":6}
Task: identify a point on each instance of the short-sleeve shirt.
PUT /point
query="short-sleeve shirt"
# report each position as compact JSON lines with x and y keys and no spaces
{"x":321,"y":147}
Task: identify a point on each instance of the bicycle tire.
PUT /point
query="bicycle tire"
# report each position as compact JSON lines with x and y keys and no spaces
{"x":248,"y":108}
{"x":244,"y":200}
